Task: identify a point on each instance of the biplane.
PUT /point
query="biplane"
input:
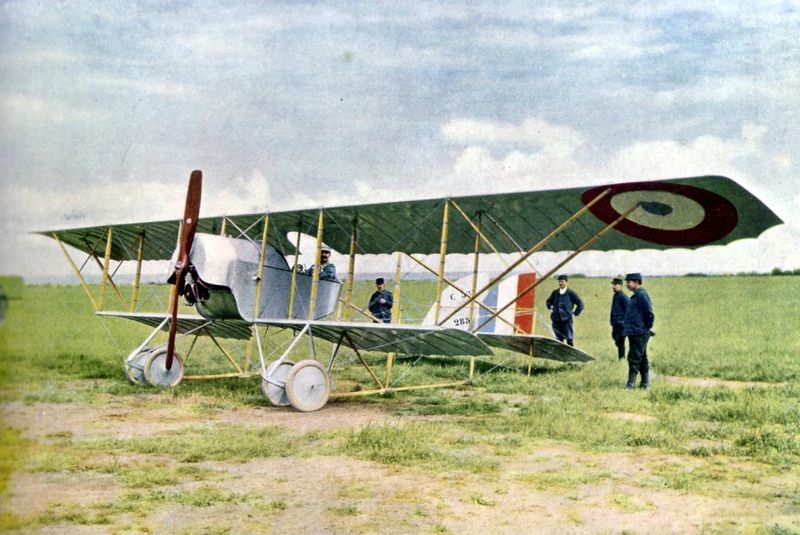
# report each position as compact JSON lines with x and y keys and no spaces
{"x":234,"y":271}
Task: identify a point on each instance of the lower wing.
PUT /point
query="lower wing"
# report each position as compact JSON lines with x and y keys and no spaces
{"x":361,"y":336}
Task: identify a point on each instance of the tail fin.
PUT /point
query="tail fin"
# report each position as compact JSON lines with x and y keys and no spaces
{"x":518,"y":318}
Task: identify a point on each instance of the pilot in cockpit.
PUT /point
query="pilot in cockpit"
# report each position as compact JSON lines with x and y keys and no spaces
{"x":328,"y":270}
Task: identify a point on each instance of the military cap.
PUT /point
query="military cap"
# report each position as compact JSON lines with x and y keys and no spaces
{"x":379,"y":280}
{"x":563,"y":278}
{"x":616,"y":280}
{"x":634,"y":277}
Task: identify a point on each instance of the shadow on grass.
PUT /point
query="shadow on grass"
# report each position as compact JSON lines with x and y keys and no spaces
{"x":484,"y":366}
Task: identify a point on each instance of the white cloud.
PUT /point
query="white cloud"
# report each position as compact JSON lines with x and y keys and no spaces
{"x":22,"y":109}
{"x":146,"y":86}
{"x":713,"y":156}
{"x":476,"y":169}
{"x":42,"y":56}
{"x":612,"y":41}
{"x":599,"y":37}
{"x":553,"y":139}
{"x":721,"y":89}
{"x":240,"y":195}
{"x":108,"y":203}
{"x":559,"y":151}
{"x":642,"y":161}
{"x":551,"y":153}
{"x":267,"y":75}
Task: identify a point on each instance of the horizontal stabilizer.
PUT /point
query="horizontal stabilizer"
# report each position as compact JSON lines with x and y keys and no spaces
{"x":543,"y":348}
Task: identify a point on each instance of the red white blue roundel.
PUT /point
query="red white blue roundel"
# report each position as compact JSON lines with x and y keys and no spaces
{"x":668,"y":214}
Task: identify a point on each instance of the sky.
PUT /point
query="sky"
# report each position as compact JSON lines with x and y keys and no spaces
{"x":106,"y":108}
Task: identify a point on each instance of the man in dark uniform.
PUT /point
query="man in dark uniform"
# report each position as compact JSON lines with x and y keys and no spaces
{"x":563,"y":304}
{"x":638,"y":328}
{"x":380,"y":304}
{"x":619,"y":304}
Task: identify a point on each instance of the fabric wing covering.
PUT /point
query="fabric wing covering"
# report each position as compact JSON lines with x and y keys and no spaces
{"x":543,"y":348}
{"x":686,"y":213}
{"x":364,"y":336}
{"x":378,"y":337}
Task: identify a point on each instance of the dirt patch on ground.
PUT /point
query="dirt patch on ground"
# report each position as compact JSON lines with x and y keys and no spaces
{"x":338,"y":494}
{"x":630,"y":417}
{"x":118,"y":419}
{"x":708,"y":382}
{"x":552,"y":487}
{"x":514,"y":400}
{"x":55,"y":492}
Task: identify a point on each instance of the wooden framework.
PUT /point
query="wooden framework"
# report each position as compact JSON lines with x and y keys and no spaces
{"x":383,"y":384}
{"x":106,"y":276}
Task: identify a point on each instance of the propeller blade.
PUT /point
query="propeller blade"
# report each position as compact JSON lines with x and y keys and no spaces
{"x":188,"y":227}
{"x":173,"y":328}
{"x":191,"y":213}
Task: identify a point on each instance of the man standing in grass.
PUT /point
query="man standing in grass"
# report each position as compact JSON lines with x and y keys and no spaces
{"x":563,"y":304}
{"x":638,"y":327}
{"x":380,"y":304}
{"x":619,"y":304}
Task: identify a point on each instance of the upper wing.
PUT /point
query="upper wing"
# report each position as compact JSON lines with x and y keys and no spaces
{"x":361,"y":336}
{"x":688,"y":212}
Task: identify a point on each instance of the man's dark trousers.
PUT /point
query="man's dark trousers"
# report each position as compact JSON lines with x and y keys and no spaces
{"x":564,"y":331}
{"x":619,"y":339}
{"x":637,"y":359}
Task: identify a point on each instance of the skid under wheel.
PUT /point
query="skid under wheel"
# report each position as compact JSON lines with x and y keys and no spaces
{"x":156,"y":372}
{"x":308,"y":386}
{"x":134,"y":366}
{"x":275,"y":391}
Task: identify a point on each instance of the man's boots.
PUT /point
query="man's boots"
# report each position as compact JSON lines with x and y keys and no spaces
{"x":645,"y":384}
{"x":631,"y":380}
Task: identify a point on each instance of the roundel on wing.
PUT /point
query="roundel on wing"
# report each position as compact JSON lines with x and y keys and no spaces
{"x":668,"y":214}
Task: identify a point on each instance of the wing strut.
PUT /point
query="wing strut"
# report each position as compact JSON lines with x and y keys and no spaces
{"x":525,"y":256}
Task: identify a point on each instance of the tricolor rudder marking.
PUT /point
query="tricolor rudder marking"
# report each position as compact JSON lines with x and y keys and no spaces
{"x":516,"y":319}
{"x":523,"y":317}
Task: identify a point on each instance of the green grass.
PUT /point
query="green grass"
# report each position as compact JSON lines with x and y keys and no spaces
{"x":563,"y":479}
{"x":53,"y":350}
{"x":430,"y":445}
{"x":737,"y":328}
{"x":208,"y":443}
{"x":12,"y":451}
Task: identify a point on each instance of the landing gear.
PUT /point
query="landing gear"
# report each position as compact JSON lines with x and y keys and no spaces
{"x":308,"y":386}
{"x":273,"y":383}
{"x":134,"y":366}
{"x":156,"y":372}
{"x":149,"y":367}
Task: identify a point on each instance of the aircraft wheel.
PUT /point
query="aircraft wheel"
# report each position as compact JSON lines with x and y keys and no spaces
{"x":134,"y":367}
{"x":276,"y":394}
{"x":155,"y":369}
{"x":308,"y":386}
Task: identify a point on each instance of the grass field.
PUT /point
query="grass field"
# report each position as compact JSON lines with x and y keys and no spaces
{"x":714,"y":446}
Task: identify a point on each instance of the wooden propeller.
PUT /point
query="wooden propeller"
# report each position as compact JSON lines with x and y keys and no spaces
{"x":178,"y":277}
